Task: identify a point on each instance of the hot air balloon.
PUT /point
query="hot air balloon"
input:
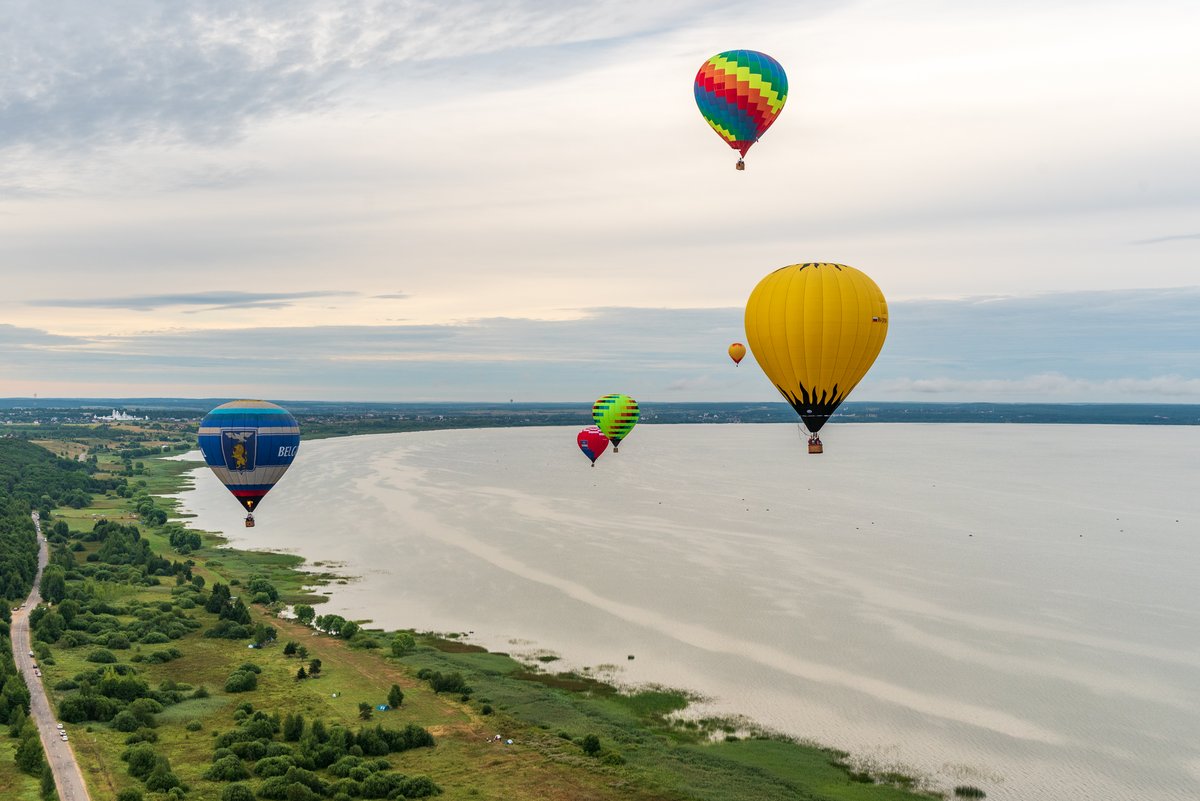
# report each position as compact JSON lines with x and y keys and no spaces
{"x":815,"y":329}
{"x":737,"y":352}
{"x":616,"y":415}
{"x":740,"y":93}
{"x":592,"y":442}
{"x":249,"y":444}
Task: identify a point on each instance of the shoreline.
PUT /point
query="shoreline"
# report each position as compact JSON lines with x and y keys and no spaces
{"x":556,"y":667}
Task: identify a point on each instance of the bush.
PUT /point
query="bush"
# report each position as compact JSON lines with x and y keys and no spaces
{"x":274,"y":766}
{"x":125,"y":721}
{"x":590,"y":745}
{"x":102,"y":655}
{"x":419,"y":787}
{"x":252,"y":750}
{"x":227,"y":769}
{"x":451,"y":683}
{"x":968,"y":791}
{"x":194,"y":725}
{"x":142,"y":736}
{"x":200,"y":692}
{"x":162,"y":779}
{"x":241,"y":681}
{"x":237,"y":792}
{"x":129,"y":794}
{"x":141,"y":759}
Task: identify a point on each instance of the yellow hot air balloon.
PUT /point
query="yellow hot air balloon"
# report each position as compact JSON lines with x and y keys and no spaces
{"x":737,"y":352}
{"x":815,"y":329}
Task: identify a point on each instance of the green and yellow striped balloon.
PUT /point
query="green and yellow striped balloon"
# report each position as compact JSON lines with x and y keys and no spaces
{"x":616,"y":415}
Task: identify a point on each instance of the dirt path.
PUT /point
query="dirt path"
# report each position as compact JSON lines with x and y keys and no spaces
{"x":59,"y":754}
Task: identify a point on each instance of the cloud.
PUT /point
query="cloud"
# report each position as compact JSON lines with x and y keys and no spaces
{"x":85,"y":73}
{"x":1084,"y":346}
{"x":1046,"y":387}
{"x":392,"y":296}
{"x":1159,"y":239}
{"x":210,"y":301}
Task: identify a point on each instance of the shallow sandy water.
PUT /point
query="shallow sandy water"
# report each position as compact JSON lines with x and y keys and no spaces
{"x":1007,"y":606}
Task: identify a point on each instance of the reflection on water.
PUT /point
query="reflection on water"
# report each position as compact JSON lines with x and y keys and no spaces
{"x":1009,"y":606}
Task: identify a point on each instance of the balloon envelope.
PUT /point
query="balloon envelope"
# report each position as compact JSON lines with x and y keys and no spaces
{"x":616,"y":415}
{"x":740,"y":94}
{"x":737,"y":352}
{"x":249,"y":444}
{"x":815,"y":329}
{"x":592,"y":442}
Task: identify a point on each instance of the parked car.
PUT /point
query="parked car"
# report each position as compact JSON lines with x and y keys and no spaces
{"x":60,"y":726}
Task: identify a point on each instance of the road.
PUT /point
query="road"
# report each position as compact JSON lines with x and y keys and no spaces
{"x":59,"y":755}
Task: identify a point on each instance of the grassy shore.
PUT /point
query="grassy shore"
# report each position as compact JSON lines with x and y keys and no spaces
{"x":642,"y":751}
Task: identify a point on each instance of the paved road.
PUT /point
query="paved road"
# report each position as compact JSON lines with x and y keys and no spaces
{"x":59,"y":754}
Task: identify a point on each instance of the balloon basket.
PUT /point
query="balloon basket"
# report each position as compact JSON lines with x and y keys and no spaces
{"x":741,"y":165}
{"x":816,"y":447}
{"x":249,"y":522}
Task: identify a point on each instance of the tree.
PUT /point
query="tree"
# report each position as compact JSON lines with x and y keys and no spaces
{"x":290,"y":648}
{"x":314,"y":667}
{"x":50,"y":626}
{"x":304,"y":613}
{"x":301,"y":673}
{"x":130,"y":794}
{"x":402,"y":643}
{"x":395,"y":696}
{"x":302,"y":652}
{"x":54,"y":584}
{"x":348,"y":630}
{"x":29,"y":755}
{"x":263,"y":634}
{"x":293,"y":726}
{"x":365,"y":710}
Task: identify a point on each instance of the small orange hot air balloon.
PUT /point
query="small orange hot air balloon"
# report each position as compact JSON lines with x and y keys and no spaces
{"x":737,"y":352}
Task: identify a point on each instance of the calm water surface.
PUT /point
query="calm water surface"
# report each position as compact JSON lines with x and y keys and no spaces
{"x":1013,"y":607}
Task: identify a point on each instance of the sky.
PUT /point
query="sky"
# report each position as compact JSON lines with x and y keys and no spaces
{"x":365,"y":200}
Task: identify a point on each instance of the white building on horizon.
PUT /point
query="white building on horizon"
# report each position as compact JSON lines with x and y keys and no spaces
{"x":117,"y":416}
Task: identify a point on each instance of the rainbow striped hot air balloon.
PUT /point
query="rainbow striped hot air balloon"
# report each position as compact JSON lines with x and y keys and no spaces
{"x":249,"y":444}
{"x":616,"y":415}
{"x":740,"y":93}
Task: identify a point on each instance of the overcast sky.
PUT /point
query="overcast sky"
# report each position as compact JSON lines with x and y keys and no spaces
{"x":481,"y":200}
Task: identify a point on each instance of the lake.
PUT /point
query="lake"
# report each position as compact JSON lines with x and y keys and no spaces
{"x":1009,"y":606}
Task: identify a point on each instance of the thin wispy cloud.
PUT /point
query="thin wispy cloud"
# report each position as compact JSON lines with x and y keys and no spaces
{"x":1160,"y":239}
{"x":201,"y":70}
{"x":206,"y":301}
{"x":1085,"y":346}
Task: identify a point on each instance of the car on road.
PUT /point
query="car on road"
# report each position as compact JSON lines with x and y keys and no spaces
{"x":31,"y":653}
{"x":60,"y":726}
{"x":37,"y":673}
{"x":64,"y":738}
